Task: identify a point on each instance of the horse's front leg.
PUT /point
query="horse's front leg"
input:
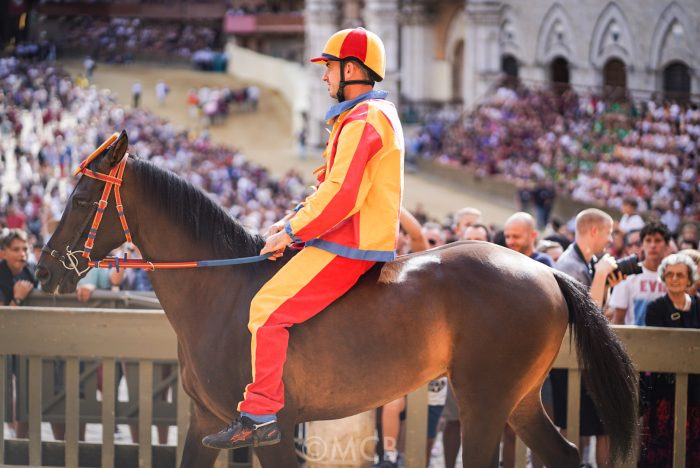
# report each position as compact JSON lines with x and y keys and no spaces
{"x":283,"y":454}
{"x":196,"y":455}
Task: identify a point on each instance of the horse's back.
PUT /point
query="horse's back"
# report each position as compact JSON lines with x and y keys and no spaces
{"x":467,"y":266}
{"x":406,"y":322}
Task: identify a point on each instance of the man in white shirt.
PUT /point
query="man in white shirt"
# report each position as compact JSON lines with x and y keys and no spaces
{"x":629,"y":299}
{"x":162,"y":91}
{"x":630,"y":220}
{"x":136,"y":94}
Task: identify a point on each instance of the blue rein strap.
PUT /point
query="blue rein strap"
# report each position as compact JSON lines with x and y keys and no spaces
{"x":233,"y":261}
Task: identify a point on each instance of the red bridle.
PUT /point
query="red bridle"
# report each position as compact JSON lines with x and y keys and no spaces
{"x":111,"y":180}
{"x":114,"y":180}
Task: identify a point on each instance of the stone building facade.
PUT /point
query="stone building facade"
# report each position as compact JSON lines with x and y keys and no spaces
{"x":443,"y":51}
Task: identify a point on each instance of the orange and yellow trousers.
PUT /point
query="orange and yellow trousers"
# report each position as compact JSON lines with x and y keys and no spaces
{"x":306,"y":285}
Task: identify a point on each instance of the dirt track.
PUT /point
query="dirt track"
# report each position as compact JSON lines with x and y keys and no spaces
{"x":265,"y":136}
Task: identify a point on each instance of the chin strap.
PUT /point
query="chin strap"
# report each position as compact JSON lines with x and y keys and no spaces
{"x":340,"y":95}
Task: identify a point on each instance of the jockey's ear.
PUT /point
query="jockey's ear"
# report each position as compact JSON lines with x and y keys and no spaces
{"x":115,"y":153}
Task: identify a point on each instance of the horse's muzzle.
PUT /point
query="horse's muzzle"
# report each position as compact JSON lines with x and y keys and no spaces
{"x":43,"y":274}
{"x":53,"y":277}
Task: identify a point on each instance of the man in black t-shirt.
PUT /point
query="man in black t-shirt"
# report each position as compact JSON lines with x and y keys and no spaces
{"x":16,"y":274}
{"x":16,"y":283}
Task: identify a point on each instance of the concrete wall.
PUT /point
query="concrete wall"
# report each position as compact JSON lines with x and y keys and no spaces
{"x":289,"y":79}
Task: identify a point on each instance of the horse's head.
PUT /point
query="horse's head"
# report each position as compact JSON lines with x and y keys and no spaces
{"x":62,"y":262}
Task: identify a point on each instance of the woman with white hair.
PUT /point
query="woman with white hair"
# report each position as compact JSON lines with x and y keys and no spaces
{"x":677,"y":309}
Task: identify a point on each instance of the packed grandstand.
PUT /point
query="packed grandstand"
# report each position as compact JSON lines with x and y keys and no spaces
{"x":600,"y":152}
{"x":597,"y":152}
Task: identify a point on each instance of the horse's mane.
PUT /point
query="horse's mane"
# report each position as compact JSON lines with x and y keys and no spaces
{"x":189,"y":207}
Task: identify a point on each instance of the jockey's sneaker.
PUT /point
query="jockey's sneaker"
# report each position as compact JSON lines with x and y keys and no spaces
{"x":244,"y":432}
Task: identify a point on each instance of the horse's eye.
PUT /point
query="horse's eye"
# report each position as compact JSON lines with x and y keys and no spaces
{"x":80,"y":203}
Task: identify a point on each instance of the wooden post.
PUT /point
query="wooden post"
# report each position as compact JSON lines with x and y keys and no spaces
{"x":183,"y":418}
{"x":35,"y":410}
{"x":573,"y":406}
{"x":256,"y":461}
{"x":108,"y":412}
{"x":145,"y":412}
{"x":679,"y":417}
{"x":72,"y":411}
{"x":520,"y":453}
{"x":222,"y":459}
{"x":417,"y":428}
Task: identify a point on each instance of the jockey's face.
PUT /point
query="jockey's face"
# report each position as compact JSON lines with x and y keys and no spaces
{"x":332,"y":77}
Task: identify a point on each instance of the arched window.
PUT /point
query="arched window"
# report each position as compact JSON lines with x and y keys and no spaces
{"x":457,"y":70}
{"x":559,"y":73}
{"x":677,"y":81}
{"x":615,"y":79}
{"x":509,"y":66}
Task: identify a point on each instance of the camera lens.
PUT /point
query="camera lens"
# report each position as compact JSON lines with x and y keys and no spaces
{"x":629,"y":265}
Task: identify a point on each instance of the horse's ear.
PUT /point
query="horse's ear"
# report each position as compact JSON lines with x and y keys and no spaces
{"x":116,"y":151}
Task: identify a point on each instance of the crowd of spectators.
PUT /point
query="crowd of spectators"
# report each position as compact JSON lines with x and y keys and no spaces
{"x":48,"y":124}
{"x":120,"y":40}
{"x":256,"y":7}
{"x":598,"y":152}
{"x":214,"y":104}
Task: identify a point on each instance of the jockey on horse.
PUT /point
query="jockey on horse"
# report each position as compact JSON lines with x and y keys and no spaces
{"x":349,"y":223}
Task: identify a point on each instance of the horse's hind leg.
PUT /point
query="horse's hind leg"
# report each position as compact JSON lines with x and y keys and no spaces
{"x":482,"y":424}
{"x":283,"y":454}
{"x":537,"y":431}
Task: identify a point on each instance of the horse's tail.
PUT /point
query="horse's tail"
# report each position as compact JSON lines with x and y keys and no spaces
{"x":608,"y":371}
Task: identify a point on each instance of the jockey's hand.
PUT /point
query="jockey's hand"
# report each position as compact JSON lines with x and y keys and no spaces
{"x":276,"y":244}
{"x":274,"y":229}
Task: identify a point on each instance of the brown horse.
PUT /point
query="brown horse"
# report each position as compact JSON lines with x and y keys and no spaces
{"x":489,"y":318}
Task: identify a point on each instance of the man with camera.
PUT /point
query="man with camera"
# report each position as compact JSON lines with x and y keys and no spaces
{"x":629,"y":299}
{"x":593,"y":234}
{"x":585,"y":259}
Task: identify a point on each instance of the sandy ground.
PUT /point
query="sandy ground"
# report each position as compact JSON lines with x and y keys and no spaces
{"x":266,"y":136}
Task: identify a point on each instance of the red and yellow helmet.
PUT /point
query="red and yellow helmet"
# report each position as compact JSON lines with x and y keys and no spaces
{"x":357,"y":43}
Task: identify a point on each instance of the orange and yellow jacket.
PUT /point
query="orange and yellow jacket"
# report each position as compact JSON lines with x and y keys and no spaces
{"x":354,"y":212}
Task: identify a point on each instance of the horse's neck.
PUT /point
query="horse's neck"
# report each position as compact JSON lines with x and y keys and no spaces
{"x":190,"y":296}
